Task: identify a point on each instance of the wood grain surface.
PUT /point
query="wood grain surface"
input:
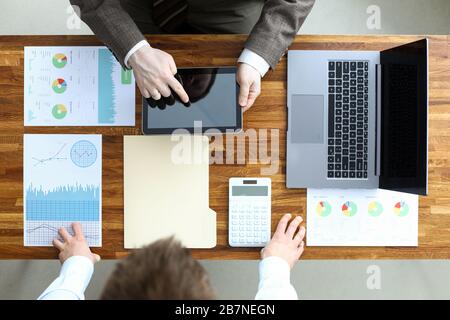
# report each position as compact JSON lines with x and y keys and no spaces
{"x":269,"y":112}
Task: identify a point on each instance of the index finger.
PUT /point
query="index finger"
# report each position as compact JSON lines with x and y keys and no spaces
{"x":178,"y":88}
{"x":78,"y":230}
{"x":293,"y":226}
{"x":64,"y":234}
{"x":282,"y":225}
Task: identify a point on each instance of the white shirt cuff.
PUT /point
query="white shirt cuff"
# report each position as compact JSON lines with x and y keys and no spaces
{"x":255,"y":60}
{"x":274,"y":280}
{"x":138,"y":45}
{"x":275,"y":268}
{"x":76,"y":272}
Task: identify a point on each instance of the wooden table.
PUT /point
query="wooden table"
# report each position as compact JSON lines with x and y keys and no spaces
{"x":269,"y":112}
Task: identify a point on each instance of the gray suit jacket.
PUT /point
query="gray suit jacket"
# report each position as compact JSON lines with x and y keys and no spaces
{"x":274,"y":31}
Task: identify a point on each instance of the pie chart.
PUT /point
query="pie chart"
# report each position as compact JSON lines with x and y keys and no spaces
{"x":59,"y":60}
{"x":323,"y":209}
{"x":349,"y":209}
{"x":59,"y":85}
{"x":401,"y":209}
{"x":59,"y":111}
{"x":375,"y":208}
{"x":83,"y":154}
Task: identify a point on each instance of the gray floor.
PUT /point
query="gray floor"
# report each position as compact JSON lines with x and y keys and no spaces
{"x":313,"y":279}
{"x":238,"y":279}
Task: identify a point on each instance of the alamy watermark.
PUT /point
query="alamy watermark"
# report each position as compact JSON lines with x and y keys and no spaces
{"x":373,"y":281}
{"x":73,"y":21}
{"x":230,"y":147}
{"x":374,"y":20}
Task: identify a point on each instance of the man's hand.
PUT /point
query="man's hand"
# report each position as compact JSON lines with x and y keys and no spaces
{"x":249,"y":80}
{"x":154,"y":71}
{"x":287,"y":241}
{"x":74,"y":246}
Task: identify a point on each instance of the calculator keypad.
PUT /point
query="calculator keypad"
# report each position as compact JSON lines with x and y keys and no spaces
{"x":249,"y":224}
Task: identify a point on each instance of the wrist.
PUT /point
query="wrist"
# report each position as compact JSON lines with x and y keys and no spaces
{"x":79,"y":258}
{"x":254,"y":60}
{"x":137,"y":53}
{"x":251,"y":67}
{"x":278,"y":258}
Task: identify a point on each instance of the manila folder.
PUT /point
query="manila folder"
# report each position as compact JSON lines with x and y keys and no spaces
{"x":166,"y":191}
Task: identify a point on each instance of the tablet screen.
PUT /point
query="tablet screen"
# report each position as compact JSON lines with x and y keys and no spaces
{"x":213,"y":101}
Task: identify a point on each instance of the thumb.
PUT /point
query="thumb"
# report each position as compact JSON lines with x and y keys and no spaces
{"x":243,"y":93}
{"x":252,"y":95}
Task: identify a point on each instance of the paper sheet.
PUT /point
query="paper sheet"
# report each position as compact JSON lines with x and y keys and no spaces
{"x":62,"y":184}
{"x":76,"y":86}
{"x":357,"y":217}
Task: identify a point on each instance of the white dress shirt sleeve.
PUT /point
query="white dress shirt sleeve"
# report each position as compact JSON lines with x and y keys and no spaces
{"x":138,"y":45}
{"x":255,"y":60}
{"x":274,"y":280}
{"x":76,"y":272}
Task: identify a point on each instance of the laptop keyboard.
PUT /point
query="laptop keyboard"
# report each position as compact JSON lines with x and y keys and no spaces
{"x":348,"y":123}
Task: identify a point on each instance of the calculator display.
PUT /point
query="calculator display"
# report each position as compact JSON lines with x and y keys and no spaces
{"x":249,"y":191}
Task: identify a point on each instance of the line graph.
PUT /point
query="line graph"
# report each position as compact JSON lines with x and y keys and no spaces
{"x":42,"y":234}
{"x":56,"y":156}
{"x":55,"y":230}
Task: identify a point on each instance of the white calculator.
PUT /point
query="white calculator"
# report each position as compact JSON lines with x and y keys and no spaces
{"x":249,"y":212}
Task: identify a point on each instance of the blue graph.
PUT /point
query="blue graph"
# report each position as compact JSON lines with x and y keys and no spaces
{"x":83,"y":153}
{"x":106,"y":106}
{"x":71,"y":203}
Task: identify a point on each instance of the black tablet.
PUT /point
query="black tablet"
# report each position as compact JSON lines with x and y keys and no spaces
{"x":213,"y":94}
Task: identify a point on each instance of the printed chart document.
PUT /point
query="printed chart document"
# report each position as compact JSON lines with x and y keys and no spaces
{"x":361,"y":218}
{"x":62,"y":184}
{"x":76,"y":86}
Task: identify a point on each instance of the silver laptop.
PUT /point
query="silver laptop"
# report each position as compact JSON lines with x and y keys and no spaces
{"x":358,"y":119}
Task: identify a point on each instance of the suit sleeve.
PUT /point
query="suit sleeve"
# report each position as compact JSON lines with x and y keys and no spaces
{"x":277,"y":27}
{"x":111,"y":24}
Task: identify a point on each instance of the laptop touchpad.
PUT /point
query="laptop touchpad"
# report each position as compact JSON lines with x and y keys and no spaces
{"x":307,"y":119}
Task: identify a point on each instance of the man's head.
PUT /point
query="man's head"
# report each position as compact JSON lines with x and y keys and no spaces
{"x":162,"y":270}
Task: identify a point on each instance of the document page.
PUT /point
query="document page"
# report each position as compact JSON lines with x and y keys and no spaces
{"x":77,"y":86}
{"x":62,"y":184}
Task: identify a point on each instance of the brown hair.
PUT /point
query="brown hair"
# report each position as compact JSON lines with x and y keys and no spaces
{"x":161,"y":270}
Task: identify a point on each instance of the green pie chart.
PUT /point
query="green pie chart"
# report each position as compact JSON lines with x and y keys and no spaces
{"x":375,"y":209}
{"x":349,"y":209}
{"x":59,"y":60}
{"x":59,"y":111}
{"x":59,"y":85}
{"x":401,"y":209}
{"x":323,"y":209}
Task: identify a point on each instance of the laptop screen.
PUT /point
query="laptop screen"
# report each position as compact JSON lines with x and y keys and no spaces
{"x":404,"y":118}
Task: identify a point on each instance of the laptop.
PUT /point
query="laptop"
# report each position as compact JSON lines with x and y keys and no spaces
{"x":358,"y":119}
